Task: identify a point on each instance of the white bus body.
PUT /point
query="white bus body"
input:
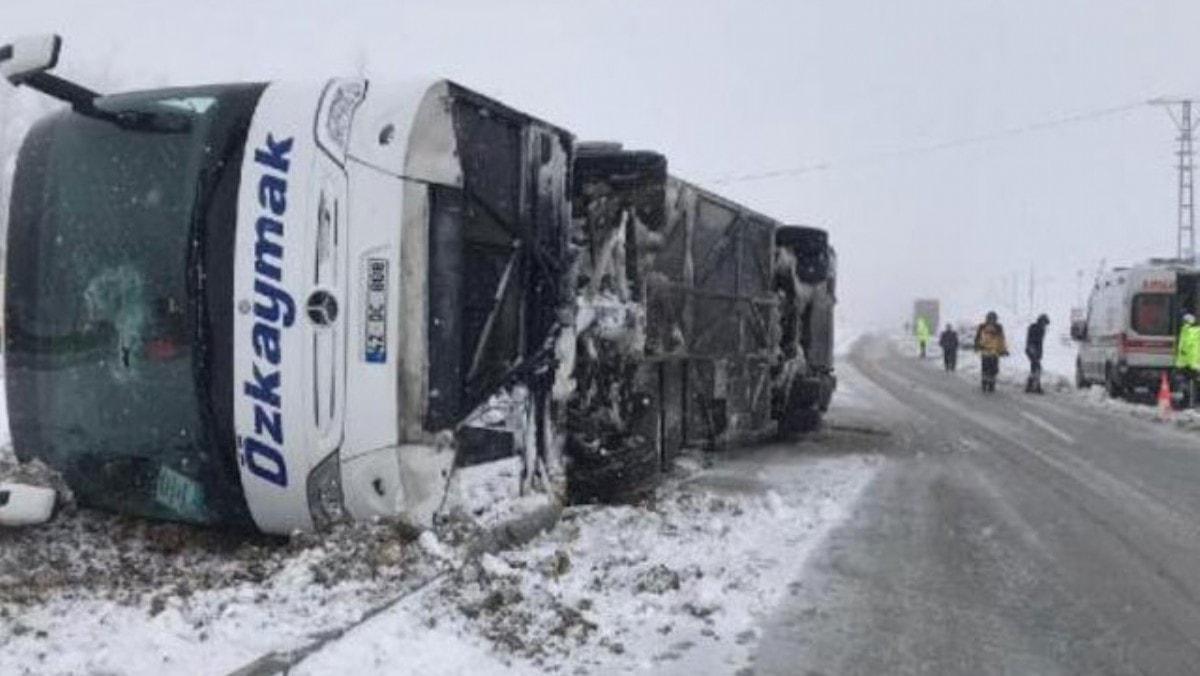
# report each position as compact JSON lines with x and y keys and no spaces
{"x":289,"y":305}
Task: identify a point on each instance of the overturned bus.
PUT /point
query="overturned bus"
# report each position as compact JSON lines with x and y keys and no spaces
{"x":287,"y":305}
{"x":701,"y":322}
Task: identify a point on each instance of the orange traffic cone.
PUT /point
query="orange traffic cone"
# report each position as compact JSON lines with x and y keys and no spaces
{"x":1164,"y":398}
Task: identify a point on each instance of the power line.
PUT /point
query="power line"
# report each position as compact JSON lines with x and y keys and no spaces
{"x":939,"y":146}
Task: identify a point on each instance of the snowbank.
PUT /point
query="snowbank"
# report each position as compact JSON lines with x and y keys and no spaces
{"x":95,"y":593}
{"x":682,"y":583}
{"x":1187,"y":420}
{"x":844,"y":338}
{"x":92,"y":592}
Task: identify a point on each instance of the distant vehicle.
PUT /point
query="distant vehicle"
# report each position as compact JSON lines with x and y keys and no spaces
{"x":1127,"y":336}
{"x":966,"y":334}
{"x":929,"y":309}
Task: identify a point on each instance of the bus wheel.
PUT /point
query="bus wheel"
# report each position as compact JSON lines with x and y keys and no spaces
{"x":800,"y":413}
{"x":614,"y":464}
{"x":613,"y":471}
{"x":799,"y":421}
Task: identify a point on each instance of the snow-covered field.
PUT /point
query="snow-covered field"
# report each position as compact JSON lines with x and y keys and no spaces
{"x":94,"y":593}
{"x":679,"y":586}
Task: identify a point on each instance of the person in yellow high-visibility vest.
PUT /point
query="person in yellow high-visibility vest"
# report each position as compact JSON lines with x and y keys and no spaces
{"x":991,"y":346}
{"x":1187,"y":355}
{"x":922,"y":334}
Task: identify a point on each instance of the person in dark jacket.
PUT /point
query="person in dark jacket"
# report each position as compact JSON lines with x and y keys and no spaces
{"x":1033,"y":349}
{"x":948,"y":340}
{"x":991,"y":346}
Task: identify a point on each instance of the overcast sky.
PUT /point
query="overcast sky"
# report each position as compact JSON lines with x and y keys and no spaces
{"x":737,"y":88}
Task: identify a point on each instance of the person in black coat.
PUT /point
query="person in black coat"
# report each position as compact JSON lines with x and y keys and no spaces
{"x":1033,"y":349}
{"x":948,"y":341}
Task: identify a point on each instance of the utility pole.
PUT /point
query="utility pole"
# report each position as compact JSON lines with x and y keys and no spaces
{"x":1180,"y":111}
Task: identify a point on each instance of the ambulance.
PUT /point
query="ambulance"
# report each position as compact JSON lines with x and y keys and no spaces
{"x":1127,"y":336}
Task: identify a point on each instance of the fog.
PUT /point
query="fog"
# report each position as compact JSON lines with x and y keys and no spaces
{"x":953,"y":149}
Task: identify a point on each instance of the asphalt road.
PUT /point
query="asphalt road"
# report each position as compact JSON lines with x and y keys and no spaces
{"x":1004,"y":534}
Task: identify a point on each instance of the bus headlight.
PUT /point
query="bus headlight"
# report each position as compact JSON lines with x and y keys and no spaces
{"x":338,"y":103}
{"x":326,"y":505}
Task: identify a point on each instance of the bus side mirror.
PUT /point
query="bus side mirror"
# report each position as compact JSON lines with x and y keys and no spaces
{"x":1079,"y":330}
{"x":29,"y":56}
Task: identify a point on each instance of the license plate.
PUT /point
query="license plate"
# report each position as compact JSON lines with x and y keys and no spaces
{"x":376,"y":311}
{"x":180,"y":493}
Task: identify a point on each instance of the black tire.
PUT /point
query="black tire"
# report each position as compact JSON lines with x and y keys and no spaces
{"x":613,"y":464}
{"x":800,"y":413}
{"x":613,"y":473}
{"x":1081,"y":383}
{"x":798,"y":422}
{"x":1111,"y":384}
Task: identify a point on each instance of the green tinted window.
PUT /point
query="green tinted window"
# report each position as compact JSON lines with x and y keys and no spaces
{"x":105,"y":370}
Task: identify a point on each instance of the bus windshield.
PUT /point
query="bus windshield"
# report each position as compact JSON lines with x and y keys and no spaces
{"x":115,"y":241}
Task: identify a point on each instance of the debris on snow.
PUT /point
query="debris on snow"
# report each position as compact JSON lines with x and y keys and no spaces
{"x":93,"y":592}
{"x":432,"y":546}
{"x":495,"y":567}
{"x":683,"y":579}
{"x":25,"y":505}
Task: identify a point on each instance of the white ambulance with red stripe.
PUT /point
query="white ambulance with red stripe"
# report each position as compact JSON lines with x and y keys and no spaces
{"x":1127,"y":338}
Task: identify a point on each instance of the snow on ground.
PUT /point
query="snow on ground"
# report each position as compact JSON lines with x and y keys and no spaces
{"x":677,"y":586}
{"x":96,"y":593}
{"x":1188,"y":420}
{"x":92,"y":592}
{"x":844,"y":338}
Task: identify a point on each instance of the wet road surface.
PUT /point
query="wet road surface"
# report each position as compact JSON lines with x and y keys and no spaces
{"x":1004,"y":534}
